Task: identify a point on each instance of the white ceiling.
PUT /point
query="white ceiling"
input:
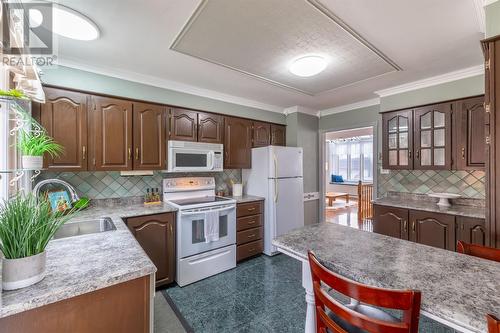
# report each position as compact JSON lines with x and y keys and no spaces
{"x":425,"y":38}
{"x":280,"y":31}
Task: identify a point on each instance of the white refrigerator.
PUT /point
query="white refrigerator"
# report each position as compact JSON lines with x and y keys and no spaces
{"x":276,"y":175}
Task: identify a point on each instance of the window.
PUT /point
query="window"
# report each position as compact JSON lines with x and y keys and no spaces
{"x":352,"y":158}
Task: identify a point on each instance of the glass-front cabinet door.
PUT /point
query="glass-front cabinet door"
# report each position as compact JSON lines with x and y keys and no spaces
{"x":433,"y":137}
{"x":398,"y":140}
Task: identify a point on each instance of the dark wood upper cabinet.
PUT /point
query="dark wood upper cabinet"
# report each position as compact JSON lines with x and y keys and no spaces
{"x":278,"y":135}
{"x":469,"y":142}
{"x":391,"y":221}
{"x":156,"y":235}
{"x":210,"y":128}
{"x":149,"y":137}
{"x":261,"y":134}
{"x":433,"y":229}
{"x":64,"y":116}
{"x":111,"y":131}
{"x":472,"y":230}
{"x":183,"y":125}
{"x":491,"y":49}
{"x":237,"y":143}
{"x":433,"y":137}
{"x":397,"y":143}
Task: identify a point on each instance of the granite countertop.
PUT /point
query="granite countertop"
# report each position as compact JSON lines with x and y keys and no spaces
{"x":82,"y":264}
{"x":247,"y":198}
{"x":458,"y":288}
{"x":431,"y":206}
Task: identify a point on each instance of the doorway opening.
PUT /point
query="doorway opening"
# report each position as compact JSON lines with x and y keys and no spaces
{"x":349,"y":175}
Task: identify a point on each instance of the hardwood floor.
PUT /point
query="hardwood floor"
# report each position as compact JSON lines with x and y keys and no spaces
{"x":346,"y":215}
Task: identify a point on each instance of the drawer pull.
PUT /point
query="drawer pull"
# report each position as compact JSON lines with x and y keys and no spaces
{"x":250,"y":236}
{"x":251,"y":209}
{"x":251,"y":222}
{"x":252,"y":249}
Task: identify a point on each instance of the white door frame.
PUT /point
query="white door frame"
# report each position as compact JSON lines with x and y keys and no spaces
{"x":322,"y":160}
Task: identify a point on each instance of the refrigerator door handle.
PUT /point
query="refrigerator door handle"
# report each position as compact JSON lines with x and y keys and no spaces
{"x":275,"y":166}
{"x":275,"y":178}
{"x":275,"y":189}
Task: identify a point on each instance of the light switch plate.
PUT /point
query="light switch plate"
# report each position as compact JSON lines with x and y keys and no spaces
{"x":384,"y":171}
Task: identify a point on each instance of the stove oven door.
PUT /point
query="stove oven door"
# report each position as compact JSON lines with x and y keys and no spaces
{"x":191,"y":234}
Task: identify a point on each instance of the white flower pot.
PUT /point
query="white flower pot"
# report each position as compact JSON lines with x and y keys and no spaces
{"x":32,"y":162}
{"x":23,"y":272}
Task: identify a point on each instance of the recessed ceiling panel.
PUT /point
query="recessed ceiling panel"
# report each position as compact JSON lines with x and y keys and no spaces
{"x":262,"y":37}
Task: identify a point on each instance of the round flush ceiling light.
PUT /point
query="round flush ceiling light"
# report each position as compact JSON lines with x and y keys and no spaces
{"x":68,"y":23}
{"x":308,"y":65}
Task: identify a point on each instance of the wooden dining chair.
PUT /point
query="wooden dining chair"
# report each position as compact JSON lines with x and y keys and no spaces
{"x":493,"y":324}
{"x":478,"y":251}
{"x":361,"y":316}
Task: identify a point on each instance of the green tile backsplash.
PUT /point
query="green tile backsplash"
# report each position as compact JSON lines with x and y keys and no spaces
{"x":109,"y":184}
{"x":469,"y":184}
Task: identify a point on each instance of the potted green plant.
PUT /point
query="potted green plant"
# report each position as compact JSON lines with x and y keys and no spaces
{"x":33,"y":145}
{"x":26,"y":227}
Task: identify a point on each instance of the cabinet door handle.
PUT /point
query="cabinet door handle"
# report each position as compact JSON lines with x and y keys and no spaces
{"x":409,"y":154}
{"x":136,"y":153}
{"x":463,"y":153}
{"x":171,"y":229}
{"x":130,"y":154}
{"x":405,"y":225}
{"x":413,"y":226}
{"x":84,"y":153}
{"x":417,"y":154}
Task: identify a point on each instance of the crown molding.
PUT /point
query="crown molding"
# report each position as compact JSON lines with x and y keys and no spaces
{"x":349,"y":107}
{"x":480,"y":15}
{"x":301,"y":109}
{"x":168,"y":84}
{"x":433,"y":81}
{"x":489,"y":2}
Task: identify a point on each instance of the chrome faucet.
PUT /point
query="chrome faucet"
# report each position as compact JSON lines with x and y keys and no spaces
{"x":71,"y":189}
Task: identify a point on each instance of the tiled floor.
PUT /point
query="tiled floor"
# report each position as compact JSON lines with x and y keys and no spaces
{"x":260,"y":295}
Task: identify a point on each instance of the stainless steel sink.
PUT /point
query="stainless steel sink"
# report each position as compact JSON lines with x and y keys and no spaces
{"x":85,"y":227}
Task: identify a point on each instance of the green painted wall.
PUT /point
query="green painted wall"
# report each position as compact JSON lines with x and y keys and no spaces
{"x":470,"y":86}
{"x":302,"y":131}
{"x":92,"y":82}
{"x":350,"y":119}
{"x":492,"y":19}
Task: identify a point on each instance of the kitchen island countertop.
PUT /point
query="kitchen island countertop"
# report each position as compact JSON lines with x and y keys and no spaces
{"x":457,"y":290}
{"x":82,"y":264}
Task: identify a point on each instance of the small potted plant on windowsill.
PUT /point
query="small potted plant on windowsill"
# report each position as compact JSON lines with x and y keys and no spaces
{"x":33,"y":145}
{"x":26,"y":227}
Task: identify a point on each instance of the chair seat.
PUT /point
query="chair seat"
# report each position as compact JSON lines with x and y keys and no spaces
{"x":367,"y":310}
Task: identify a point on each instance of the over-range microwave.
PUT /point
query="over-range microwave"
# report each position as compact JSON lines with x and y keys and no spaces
{"x":185,"y":156}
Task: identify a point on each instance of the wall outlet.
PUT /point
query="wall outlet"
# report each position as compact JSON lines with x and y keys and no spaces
{"x":384,"y":171}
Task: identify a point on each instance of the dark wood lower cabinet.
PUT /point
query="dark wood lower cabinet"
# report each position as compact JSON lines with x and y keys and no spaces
{"x":156,"y":235}
{"x":433,"y":229}
{"x":390,"y":221}
{"x":472,"y":230}
{"x":123,"y":307}
{"x":250,"y":230}
{"x":429,"y":228}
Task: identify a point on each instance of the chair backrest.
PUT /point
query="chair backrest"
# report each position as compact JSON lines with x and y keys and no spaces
{"x":408,"y":301}
{"x":365,"y":197}
{"x":479,"y":251}
{"x":493,"y":324}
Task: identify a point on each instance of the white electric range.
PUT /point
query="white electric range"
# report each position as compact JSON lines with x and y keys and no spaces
{"x":197,"y":259}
